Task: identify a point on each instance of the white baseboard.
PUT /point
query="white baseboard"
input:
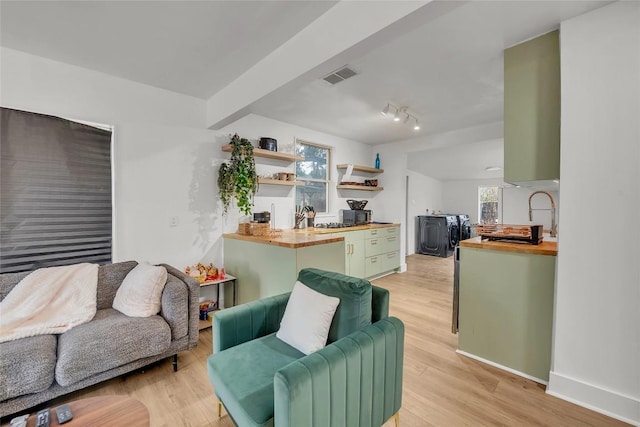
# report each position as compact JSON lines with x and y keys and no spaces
{"x":403,"y":267}
{"x":499,"y":366}
{"x":598,"y":399}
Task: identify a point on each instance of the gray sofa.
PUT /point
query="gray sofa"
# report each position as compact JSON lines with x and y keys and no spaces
{"x":36,"y":369}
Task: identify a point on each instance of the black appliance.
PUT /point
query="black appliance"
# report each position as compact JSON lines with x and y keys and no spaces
{"x":355,"y":216}
{"x":262,"y":217}
{"x":270,"y":144}
{"x":464,"y":225}
{"x":437,"y":235}
{"x":456,"y":289}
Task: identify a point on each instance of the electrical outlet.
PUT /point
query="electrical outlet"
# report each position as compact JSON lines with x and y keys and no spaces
{"x":173,"y":221}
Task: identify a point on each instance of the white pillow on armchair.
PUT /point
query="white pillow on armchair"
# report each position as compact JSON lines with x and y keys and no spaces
{"x":307,"y":319}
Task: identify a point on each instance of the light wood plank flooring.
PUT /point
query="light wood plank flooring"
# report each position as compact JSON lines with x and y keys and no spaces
{"x":441,"y":388}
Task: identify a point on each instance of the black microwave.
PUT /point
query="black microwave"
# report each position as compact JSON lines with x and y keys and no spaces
{"x":355,"y":216}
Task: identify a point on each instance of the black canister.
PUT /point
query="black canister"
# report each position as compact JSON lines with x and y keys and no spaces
{"x":268,"y":144}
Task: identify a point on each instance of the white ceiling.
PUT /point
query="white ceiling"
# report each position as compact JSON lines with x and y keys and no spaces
{"x":446,"y":67}
{"x":191,"y":47}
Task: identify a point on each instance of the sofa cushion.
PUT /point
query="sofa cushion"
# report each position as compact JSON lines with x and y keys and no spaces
{"x":27,"y":365}
{"x":140,"y":292}
{"x":110,"y":278}
{"x":110,"y":340}
{"x":243,"y":377}
{"x":354,"y":311}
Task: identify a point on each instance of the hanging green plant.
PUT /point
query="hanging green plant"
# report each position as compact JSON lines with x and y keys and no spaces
{"x":238,"y":179}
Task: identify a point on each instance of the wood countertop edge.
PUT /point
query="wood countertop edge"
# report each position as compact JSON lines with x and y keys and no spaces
{"x":286,"y":242}
{"x":320,"y":231}
{"x":544,"y":248}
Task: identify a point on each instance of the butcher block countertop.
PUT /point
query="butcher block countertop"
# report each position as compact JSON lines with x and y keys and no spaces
{"x":340,"y":230}
{"x":544,"y":248}
{"x":293,"y":239}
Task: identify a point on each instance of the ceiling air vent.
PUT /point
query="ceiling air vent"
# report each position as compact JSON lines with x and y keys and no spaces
{"x":340,"y":75}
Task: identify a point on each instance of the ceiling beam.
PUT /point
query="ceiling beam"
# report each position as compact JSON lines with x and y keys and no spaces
{"x":317,"y":47}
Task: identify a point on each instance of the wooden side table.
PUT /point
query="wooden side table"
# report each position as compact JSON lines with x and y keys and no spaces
{"x":227,"y":278}
{"x":107,"y":411}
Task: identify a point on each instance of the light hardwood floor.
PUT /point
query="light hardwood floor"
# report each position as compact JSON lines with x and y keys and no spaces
{"x":441,"y":388}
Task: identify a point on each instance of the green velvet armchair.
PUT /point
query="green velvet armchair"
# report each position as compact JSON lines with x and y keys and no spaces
{"x":356,"y":380}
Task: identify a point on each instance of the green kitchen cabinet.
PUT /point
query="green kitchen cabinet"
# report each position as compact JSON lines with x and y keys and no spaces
{"x":506,"y":309}
{"x":263,"y":270}
{"x":354,"y":252}
{"x":532,"y":110}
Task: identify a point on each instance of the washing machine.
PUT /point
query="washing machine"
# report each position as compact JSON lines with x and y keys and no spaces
{"x":464,"y":225}
{"x":437,"y":235}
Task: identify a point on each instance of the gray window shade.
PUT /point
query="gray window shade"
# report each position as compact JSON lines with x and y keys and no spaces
{"x":55,"y":192}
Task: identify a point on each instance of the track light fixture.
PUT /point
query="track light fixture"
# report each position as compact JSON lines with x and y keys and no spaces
{"x":401,"y":112}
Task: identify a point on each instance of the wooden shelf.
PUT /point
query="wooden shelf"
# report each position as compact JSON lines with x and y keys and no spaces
{"x":361,"y":168}
{"x":203,"y":324}
{"x":259,"y":152}
{"x":359,"y":187}
{"x":279,"y":182}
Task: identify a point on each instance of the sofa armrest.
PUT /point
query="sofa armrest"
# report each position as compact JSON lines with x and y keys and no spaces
{"x":379,"y":303}
{"x":357,"y":380}
{"x":245,"y":322}
{"x":170,"y":310}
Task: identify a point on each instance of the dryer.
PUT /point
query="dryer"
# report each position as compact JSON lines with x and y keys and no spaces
{"x":464,"y":224}
{"x":437,"y":235}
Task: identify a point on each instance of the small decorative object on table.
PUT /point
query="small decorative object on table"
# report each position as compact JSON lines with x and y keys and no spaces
{"x":203,"y":273}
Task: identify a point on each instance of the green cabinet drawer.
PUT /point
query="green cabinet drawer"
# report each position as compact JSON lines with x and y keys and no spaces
{"x":381,"y":232}
{"x":390,"y":260}
{"x":373,"y":265}
{"x":375,"y":246}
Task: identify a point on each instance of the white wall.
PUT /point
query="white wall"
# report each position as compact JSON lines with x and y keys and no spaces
{"x":165,"y":160}
{"x":596,"y":354}
{"x":423,"y":193}
{"x":342,"y":151}
{"x":161,"y":152}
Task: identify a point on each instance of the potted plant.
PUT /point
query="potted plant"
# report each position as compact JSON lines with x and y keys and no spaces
{"x":237,"y":178}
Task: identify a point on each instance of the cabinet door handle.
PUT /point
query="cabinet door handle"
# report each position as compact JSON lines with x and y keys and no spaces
{"x":374,"y":242}
{"x":351,"y":245}
{"x":374,"y":260}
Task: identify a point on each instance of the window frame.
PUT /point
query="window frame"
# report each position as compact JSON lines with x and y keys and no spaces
{"x":326,"y":181}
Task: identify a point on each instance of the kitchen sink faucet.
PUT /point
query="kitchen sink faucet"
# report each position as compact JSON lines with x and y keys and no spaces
{"x":554,"y":227}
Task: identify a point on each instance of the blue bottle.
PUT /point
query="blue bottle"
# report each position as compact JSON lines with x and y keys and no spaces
{"x":377,"y":161}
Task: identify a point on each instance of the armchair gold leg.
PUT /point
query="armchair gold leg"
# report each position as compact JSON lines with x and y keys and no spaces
{"x":219,"y":409}
{"x":396,"y":417}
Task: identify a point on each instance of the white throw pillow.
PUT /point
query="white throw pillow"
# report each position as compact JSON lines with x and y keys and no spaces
{"x":307,"y":318}
{"x":140,"y":293}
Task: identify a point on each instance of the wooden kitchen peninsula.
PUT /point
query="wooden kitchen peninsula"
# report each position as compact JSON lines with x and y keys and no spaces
{"x":544,"y":248}
{"x":506,"y":304}
{"x":269,"y":265}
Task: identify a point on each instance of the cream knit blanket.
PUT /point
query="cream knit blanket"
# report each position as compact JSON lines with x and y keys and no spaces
{"x":49,"y":301}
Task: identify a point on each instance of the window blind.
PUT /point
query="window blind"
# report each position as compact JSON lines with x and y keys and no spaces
{"x":55,"y":192}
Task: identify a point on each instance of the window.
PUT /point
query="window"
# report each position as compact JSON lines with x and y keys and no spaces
{"x":55,"y":198}
{"x":314,"y":172}
{"x":490,"y":199}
